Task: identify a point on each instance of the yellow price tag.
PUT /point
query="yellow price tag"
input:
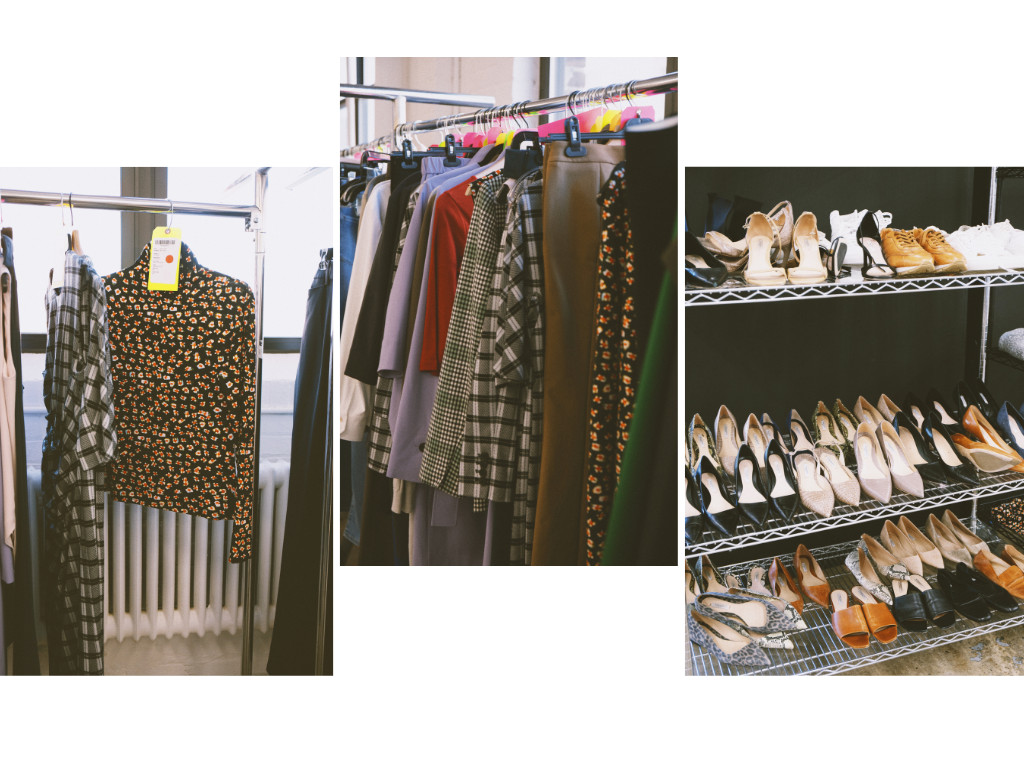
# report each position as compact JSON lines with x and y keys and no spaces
{"x":164,"y":259}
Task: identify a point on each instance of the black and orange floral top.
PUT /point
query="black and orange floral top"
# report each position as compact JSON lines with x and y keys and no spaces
{"x":184,"y":372}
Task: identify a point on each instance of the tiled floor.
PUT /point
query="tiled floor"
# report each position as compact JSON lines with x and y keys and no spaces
{"x":208,"y":655}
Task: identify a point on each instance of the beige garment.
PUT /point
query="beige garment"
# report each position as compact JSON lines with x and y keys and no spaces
{"x":8,"y":394}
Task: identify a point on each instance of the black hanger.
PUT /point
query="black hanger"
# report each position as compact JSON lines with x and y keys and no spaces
{"x":450,"y":151}
{"x":576,"y":137}
{"x":519,"y":162}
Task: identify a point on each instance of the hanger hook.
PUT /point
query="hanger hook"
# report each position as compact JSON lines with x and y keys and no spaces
{"x":71,"y":209}
{"x":569,"y":102}
{"x":170,"y":216}
{"x":62,"y":222}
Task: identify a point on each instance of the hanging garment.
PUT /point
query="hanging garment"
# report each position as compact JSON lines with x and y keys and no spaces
{"x":651,"y":197}
{"x":7,"y":457}
{"x":572,"y":230}
{"x":23,"y":631}
{"x":644,"y":524}
{"x":446,"y":444}
{"x":369,"y":329}
{"x":184,"y":369}
{"x":80,"y":441}
{"x":613,"y":379}
{"x":293,"y":645}
{"x":452,"y":213}
{"x":519,"y":360}
{"x":354,"y":396}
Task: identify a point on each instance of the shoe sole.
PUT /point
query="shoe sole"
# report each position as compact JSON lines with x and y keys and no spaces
{"x":952,"y":269}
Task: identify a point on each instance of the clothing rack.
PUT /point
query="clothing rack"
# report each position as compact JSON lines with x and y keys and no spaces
{"x":400,"y":96}
{"x":253,"y":216}
{"x":573,"y":101}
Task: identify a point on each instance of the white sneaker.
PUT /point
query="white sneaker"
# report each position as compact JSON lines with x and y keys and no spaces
{"x":981,"y":248}
{"x":1015,"y":245}
{"x":844,"y":228}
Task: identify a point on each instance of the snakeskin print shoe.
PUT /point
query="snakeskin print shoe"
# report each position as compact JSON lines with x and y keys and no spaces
{"x":728,"y":645}
{"x":860,"y":566}
{"x":788,"y":610}
{"x":744,"y":613}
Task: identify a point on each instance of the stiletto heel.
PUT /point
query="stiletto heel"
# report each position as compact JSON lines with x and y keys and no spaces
{"x":727,"y":438}
{"x":942,"y":411}
{"x":826,"y":431}
{"x":916,"y":449}
{"x":781,"y":485}
{"x":708,"y":577}
{"x":1012,"y":424}
{"x":783,"y":586}
{"x":844,"y":484}
{"x":799,"y":434}
{"x":986,"y":402}
{"x":754,"y":436}
{"x":762,"y":243}
{"x":870,"y":239}
{"x":810,"y":576}
{"x":771,"y":432}
{"x":815,"y":492}
{"x":701,"y":444}
{"x":750,"y":493}
{"x":956,"y":469}
{"x":845,"y":420}
{"x":717,"y":504}
{"x":867,"y":413}
{"x":904,"y":474}
{"x":979,"y":427}
{"x":702,"y":269}
{"x":872,"y":469}
{"x":952,"y":549}
{"x":916,"y":409}
{"x":809,"y":269}
{"x":974,"y":544}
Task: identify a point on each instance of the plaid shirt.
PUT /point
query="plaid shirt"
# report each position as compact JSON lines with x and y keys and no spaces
{"x":519,"y":359}
{"x":447,"y":440}
{"x":80,"y":440}
{"x":378,"y":443}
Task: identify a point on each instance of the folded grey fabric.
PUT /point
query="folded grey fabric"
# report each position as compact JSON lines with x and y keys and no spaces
{"x":1012,"y":343}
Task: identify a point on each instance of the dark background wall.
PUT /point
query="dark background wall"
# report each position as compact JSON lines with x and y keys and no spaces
{"x":774,"y":357}
{"x":777,"y":356}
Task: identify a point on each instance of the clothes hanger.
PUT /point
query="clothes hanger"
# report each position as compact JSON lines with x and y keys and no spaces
{"x":559,"y":125}
{"x":519,"y":162}
{"x":76,"y":240}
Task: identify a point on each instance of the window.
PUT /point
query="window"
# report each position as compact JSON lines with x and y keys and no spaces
{"x":578,"y":73}
{"x":38,"y":231}
{"x":300,"y":210}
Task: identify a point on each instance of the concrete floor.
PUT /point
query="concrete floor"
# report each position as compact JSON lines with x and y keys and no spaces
{"x":999,"y":653}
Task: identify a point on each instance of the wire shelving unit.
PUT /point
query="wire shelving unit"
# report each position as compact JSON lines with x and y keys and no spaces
{"x":820,"y":652}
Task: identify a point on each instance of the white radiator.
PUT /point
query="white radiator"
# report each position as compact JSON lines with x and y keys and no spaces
{"x":168,"y":574}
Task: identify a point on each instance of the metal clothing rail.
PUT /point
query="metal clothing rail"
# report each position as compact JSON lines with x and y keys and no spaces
{"x":573,"y":101}
{"x":400,"y":96}
{"x":253,"y":216}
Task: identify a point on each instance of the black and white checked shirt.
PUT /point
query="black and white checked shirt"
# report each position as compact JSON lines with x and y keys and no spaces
{"x":447,"y":439}
{"x":378,"y":441}
{"x":519,"y":359}
{"x":80,"y":440}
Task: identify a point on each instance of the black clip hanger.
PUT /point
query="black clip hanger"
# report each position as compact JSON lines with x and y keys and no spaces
{"x":572,"y":133}
{"x":450,"y":160}
{"x":407,"y":157}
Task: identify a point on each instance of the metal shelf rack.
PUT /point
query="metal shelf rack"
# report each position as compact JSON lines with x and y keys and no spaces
{"x":819,"y":652}
{"x":735,"y":291}
{"x":805,"y":522}
{"x":823,"y":653}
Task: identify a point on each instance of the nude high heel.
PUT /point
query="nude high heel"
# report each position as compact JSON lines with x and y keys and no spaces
{"x":762,"y":244}
{"x":809,"y":268}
